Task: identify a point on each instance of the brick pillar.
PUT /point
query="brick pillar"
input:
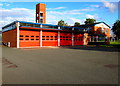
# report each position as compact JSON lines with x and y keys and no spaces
{"x":86,"y":38}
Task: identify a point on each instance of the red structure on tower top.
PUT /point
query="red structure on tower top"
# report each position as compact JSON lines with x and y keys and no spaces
{"x":41,"y":13}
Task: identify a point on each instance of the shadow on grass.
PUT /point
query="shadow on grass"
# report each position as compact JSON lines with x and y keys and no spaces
{"x":115,"y":48}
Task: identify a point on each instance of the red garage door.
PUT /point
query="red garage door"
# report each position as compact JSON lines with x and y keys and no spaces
{"x":29,"y":38}
{"x":78,"y":39}
{"x":49,"y":38}
{"x":65,"y":38}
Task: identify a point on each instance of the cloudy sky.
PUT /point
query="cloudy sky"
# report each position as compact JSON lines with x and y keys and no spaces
{"x":70,"y":12}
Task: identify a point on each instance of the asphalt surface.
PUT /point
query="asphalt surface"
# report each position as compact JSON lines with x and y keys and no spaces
{"x":59,"y":66}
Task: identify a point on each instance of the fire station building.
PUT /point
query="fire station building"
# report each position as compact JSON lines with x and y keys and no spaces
{"x":28,"y":34}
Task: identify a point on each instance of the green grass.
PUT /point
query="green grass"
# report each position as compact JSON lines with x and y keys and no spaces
{"x":106,"y":46}
{"x":115,"y":43}
{"x":112,"y":44}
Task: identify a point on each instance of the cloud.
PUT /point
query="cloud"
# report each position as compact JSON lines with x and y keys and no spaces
{"x":60,"y":8}
{"x":75,"y":19}
{"x":92,"y":16}
{"x":1,"y":4}
{"x":65,"y":12}
{"x":17,"y":13}
{"x":69,"y":16}
{"x":10,"y":15}
{"x":6,"y":4}
{"x":54,"y":17}
{"x":86,"y":9}
{"x":110,"y":6}
{"x":95,"y":6}
{"x":57,"y":8}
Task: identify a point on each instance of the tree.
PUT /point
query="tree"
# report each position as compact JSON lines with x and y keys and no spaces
{"x":76,"y":24}
{"x":90,"y":21}
{"x":62,"y":23}
{"x":116,"y":28}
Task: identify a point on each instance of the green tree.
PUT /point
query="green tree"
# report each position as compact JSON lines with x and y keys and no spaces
{"x":116,"y":28}
{"x":76,"y":24}
{"x":90,"y":21}
{"x":62,"y":23}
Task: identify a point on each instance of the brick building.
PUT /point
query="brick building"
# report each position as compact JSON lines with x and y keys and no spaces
{"x":28,"y":34}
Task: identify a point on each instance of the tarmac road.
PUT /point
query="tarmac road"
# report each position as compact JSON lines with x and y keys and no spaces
{"x":59,"y":66}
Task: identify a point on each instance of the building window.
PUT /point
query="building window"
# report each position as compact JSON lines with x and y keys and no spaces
{"x":106,"y":30}
{"x":41,"y":14}
{"x":21,"y":35}
{"x":37,"y":36}
{"x":41,"y":20}
{"x":102,"y":30}
{"x":21,"y":39}
{"x":26,"y":36}
{"x":37,"y":15}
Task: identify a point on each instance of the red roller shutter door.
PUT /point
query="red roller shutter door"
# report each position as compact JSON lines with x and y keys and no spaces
{"x":65,"y":38}
{"x":49,"y":38}
{"x":29,"y":38}
{"x":78,"y":39}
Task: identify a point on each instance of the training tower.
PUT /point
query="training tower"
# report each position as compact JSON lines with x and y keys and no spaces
{"x":41,"y":13}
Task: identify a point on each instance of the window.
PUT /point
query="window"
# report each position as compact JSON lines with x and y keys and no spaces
{"x":51,"y":36}
{"x":26,"y":36}
{"x":102,"y":30}
{"x":21,"y":35}
{"x":41,"y":20}
{"x":41,"y":14}
{"x":32,"y":36}
{"x":37,"y":36}
{"x":32,"y":39}
{"x":26,"y":39}
{"x":37,"y":39}
{"x":37,"y":15}
{"x":66,"y":36}
{"x":21,"y":39}
{"x":106,"y":30}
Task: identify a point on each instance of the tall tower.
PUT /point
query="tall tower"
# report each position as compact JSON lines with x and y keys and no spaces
{"x":41,"y":13}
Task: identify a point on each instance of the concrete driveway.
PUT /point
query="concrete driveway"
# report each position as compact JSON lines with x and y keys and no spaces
{"x":59,"y":66}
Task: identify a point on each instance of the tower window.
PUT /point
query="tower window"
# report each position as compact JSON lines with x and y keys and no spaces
{"x":41,"y":14}
{"x":41,"y":20}
{"x":37,"y":15}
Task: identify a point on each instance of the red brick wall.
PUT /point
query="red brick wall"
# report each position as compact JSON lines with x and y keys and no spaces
{"x":10,"y":36}
{"x":98,"y":31}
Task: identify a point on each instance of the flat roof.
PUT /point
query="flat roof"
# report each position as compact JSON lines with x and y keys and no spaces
{"x":53,"y":26}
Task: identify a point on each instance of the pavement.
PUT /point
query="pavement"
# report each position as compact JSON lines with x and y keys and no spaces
{"x":64,"y":65}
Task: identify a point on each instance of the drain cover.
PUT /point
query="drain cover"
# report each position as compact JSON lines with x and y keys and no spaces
{"x":112,"y":65}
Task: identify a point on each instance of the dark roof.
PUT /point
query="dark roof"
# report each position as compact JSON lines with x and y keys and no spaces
{"x":89,"y":25}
